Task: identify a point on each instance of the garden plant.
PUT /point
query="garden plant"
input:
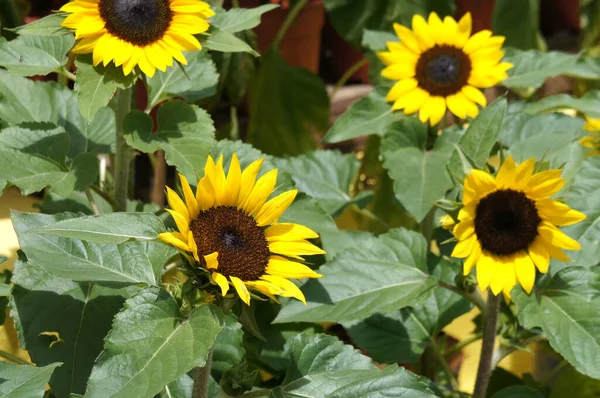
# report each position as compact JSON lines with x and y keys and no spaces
{"x":283,"y":254}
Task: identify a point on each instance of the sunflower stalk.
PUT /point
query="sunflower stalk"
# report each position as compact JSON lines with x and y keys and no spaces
{"x":202,"y":377}
{"x":490,"y":320}
{"x":291,"y":17}
{"x":123,"y":152}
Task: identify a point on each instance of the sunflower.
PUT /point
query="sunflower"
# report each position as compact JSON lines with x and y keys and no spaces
{"x":148,"y":33}
{"x":447,"y":222}
{"x":593,"y":140}
{"x":508,"y":225}
{"x":231,"y":230}
{"x":438,"y":64}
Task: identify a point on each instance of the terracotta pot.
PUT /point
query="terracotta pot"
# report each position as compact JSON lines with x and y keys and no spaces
{"x":301,"y":44}
{"x":481,"y":11}
{"x":342,"y":56}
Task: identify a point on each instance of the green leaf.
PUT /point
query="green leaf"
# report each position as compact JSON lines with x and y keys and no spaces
{"x":323,"y":366}
{"x":25,"y":100}
{"x":152,"y":344}
{"x":518,"y":392}
{"x":221,"y":40}
{"x":566,"y":309}
{"x":95,"y":86}
{"x":63,"y":321}
{"x":308,"y":212}
{"x":228,"y":350}
{"x":375,"y":40}
{"x":351,"y":17}
{"x":531,"y":68}
{"x":110,"y":228}
{"x":288,"y":106}
{"x":586,"y":68}
{"x":24,"y":381}
{"x":47,"y":26}
{"x":5,"y":290}
{"x":589,"y":104}
{"x":193,"y":82}
{"x":525,"y":35}
{"x":238,"y":19}
{"x":420,"y":177}
{"x":324,"y":175}
{"x":383,"y":277}
{"x":35,"y":55}
{"x":571,"y":383}
{"x":403,"y":336}
{"x":130,"y":263}
{"x":185,"y":132}
{"x":369,"y":115}
{"x":180,"y":388}
{"x":33,"y":158}
{"x":480,"y":137}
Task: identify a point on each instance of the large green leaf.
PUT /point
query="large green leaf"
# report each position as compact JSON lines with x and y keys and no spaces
{"x":588,"y":104}
{"x":238,"y":19}
{"x":369,"y":115}
{"x":34,"y":157}
{"x":221,"y":40}
{"x":228,"y":350}
{"x":531,"y":68}
{"x":110,"y":228}
{"x":324,"y":367}
{"x":24,"y":381}
{"x":479,"y":139}
{"x":63,"y":321}
{"x":195,"y":81}
{"x":351,"y":17}
{"x":571,"y":383}
{"x":566,"y":308}
{"x":25,"y":100}
{"x":130,"y":262}
{"x":35,"y":55}
{"x":403,"y":336}
{"x":185,"y":132}
{"x":525,"y":34}
{"x":47,"y":26}
{"x":152,"y":344}
{"x":419,"y":175}
{"x":383,"y":277}
{"x":308,"y":212}
{"x":288,"y":107}
{"x":96,"y":85}
{"x":324,"y":175}
{"x":376,"y":40}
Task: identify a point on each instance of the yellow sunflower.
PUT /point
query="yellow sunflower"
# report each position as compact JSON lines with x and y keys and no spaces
{"x":438,"y":64}
{"x":231,"y":230}
{"x":447,"y":222}
{"x":508,"y":225}
{"x":593,"y":140}
{"x":148,"y":33}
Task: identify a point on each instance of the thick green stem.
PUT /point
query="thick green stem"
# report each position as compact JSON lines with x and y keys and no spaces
{"x":289,"y":21}
{"x":123,"y":152}
{"x":347,"y":75}
{"x":444,"y":364}
{"x":202,"y":377}
{"x":474,"y":297}
{"x":490,"y":320}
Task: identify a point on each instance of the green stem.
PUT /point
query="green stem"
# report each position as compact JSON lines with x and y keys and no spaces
{"x":347,"y":75}
{"x":445,"y":366}
{"x":490,"y":321}
{"x":462,"y":344}
{"x":235,"y":128}
{"x":13,"y":358}
{"x":123,"y":152}
{"x":202,"y":377}
{"x":66,"y":74}
{"x":104,"y":196}
{"x":505,"y":350}
{"x":474,"y":297}
{"x":90,"y":198}
{"x":426,"y":227}
{"x":291,"y":17}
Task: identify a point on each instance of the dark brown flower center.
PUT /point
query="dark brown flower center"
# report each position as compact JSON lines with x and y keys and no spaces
{"x":506,"y":222}
{"x":241,"y":244}
{"x":443,"y":70}
{"x":139,"y":22}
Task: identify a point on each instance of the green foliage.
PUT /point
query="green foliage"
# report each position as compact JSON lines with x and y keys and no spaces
{"x":30,"y":55}
{"x":525,"y":35}
{"x":24,"y":381}
{"x":239,"y":19}
{"x":288,"y":107}
{"x":148,"y":333}
{"x":518,"y":392}
{"x":588,"y":104}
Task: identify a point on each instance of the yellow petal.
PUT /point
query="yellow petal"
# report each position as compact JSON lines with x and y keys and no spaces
{"x":289,"y":232}
{"x":205,"y":194}
{"x":474,"y":95}
{"x":464,"y":247}
{"x":177,"y":204}
{"x":401,"y":88}
{"x":463,"y":31}
{"x":434,"y":109}
{"x":556,"y":237}
{"x":485,"y":270}
{"x":506,"y":174}
{"x":477,"y":41}
{"x":212,"y":260}
{"x":288,"y":287}
{"x":558,"y":213}
{"x":464,"y":229}
{"x":274,"y":208}
{"x":180,"y":221}
{"x":539,"y":255}
{"x":193,"y":246}
{"x":261,"y":191}
{"x":176,"y":239}
{"x":421,"y":31}
{"x":407,"y":37}
{"x":285,"y":268}
{"x":544,"y":184}
{"x":472,"y":259}
{"x":241,"y":289}
{"x":232,"y":185}
{"x":525,"y":270}
{"x":398,"y":71}
{"x":504,"y":275}
{"x":190,"y":199}
{"x":295,"y":249}
{"x":221,"y":280}
{"x":248,"y":180}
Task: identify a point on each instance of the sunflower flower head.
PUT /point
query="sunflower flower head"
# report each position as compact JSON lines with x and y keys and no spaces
{"x":592,"y":141}
{"x":144,"y":33}
{"x":439,"y":65}
{"x":508,"y":225}
{"x":230,"y":228}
